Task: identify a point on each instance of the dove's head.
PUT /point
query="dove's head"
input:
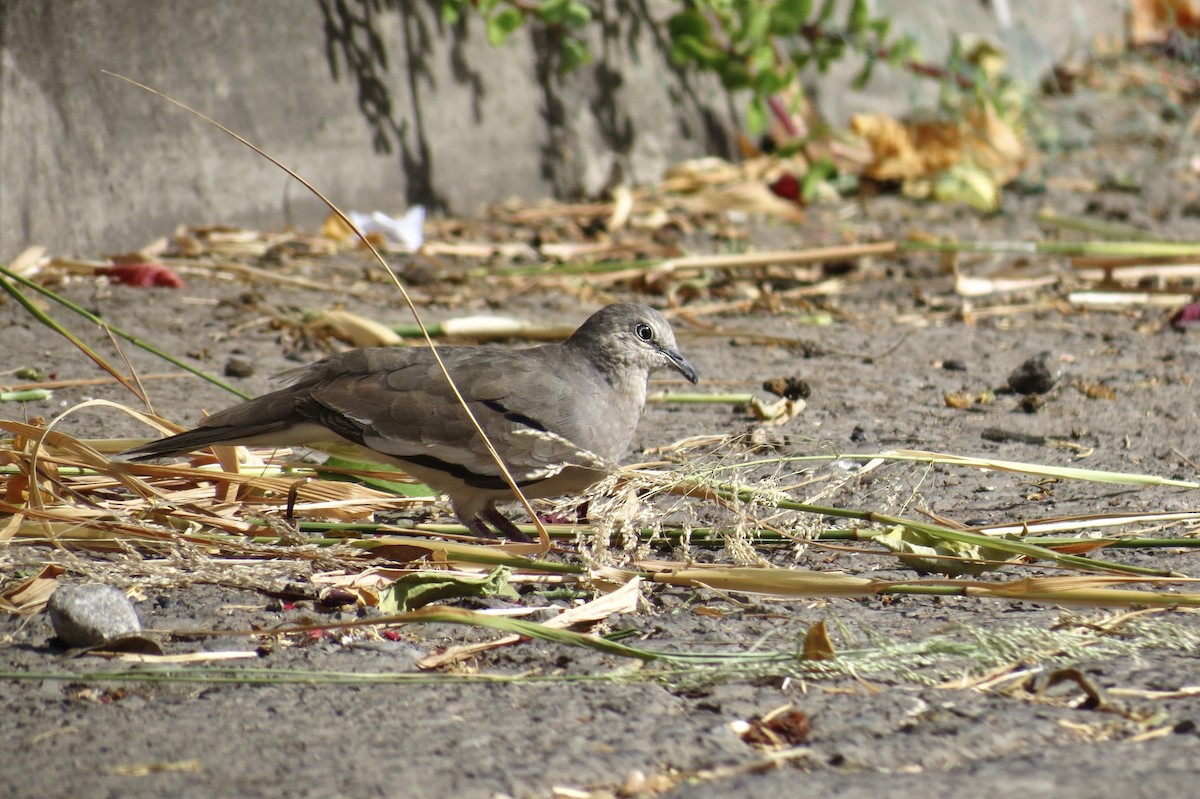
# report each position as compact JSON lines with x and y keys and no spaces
{"x":631,"y":337}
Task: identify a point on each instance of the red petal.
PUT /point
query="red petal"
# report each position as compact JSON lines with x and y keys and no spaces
{"x":132,"y":274}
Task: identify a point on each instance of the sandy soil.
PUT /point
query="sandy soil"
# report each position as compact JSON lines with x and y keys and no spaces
{"x":879,"y":379}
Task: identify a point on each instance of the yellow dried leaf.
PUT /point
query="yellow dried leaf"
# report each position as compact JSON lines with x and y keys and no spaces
{"x":817,"y":645}
{"x":1153,"y":21}
{"x":31,"y":595}
{"x":335,"y":228}
{"x":905,"y":151}
{"x":358,"y":330}
{"x":968,"y":184}
{"x":776,"y":412}
{"x":960,"y":400}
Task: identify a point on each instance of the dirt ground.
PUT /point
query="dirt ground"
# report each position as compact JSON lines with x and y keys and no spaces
{"x":582,"y":723}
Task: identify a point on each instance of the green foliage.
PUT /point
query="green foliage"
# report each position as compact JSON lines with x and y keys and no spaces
{"x":756,"y":46}
{"x":503,"y":18}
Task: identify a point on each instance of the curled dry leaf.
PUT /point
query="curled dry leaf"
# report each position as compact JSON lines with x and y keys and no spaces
{"x":1154,"y":21}
{"x":358,"y":330}
{"x":966,"y":159}
{"x":783,"y":729}
{"x":776,"y":412}
{"x":30,"y":595}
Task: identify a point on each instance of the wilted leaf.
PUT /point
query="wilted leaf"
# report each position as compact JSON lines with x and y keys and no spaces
{"x":785,"y":729}
{"x":355,"y":329}
{"x":959,"y":400}
{"x":1153,"y":21}
{"x":31,"y":595}
{"x":970,"y":184}
{"x":1096,"y":390}
{"x":817,"y":645}
{"x":417,"y":590}
{"x":905,"y":151}
{"x":963,"y":159}
{"x":778,"y":412}
{"x":931,"y":555}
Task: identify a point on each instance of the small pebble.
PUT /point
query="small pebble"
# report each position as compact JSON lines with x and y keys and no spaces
{"x":239,"y":366}
{"x":91,"y":614}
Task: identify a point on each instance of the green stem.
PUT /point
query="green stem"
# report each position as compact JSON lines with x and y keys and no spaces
{"x":91,"y":317}
{"x":1154,"y":249}
{"x":30,"y":395}
{"x":743,"y":494}
{"x":1096,"y":227}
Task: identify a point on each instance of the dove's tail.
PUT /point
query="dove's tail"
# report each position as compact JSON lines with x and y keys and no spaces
{"x":270,"y":420}
{"x":201,"y":437}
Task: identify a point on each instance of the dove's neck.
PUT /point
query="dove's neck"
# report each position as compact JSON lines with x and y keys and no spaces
{"x":627,"y":379}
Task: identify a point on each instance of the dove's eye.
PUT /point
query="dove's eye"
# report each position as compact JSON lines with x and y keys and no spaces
{"x":644,"y":332}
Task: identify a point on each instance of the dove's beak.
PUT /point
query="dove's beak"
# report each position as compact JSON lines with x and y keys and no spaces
{"x":681,"y":364}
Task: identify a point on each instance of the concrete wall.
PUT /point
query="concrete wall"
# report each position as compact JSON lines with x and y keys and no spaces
{"x":429,"y":113}
{"x":89,"y":163}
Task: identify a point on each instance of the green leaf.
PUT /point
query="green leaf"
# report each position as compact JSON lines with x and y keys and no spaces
{"x":756,"y":117}
{"x":577,"y":16}
{"x":688,"y":48}
{"x":817,"y":174}
{"x":932,"y":555}
{"x":417,"y":590}
{"x":734,"y":75}
{"x":826,"y":12}
{"x":968,"y":184}
{"x":501,"y":25}
{"x":757,"y":24}
{"x":860,"y":16}
{"x":452,"y":11}
{"x":573,"y":54}
{"x":768,"y":82}
{"x":762,"y":57}
{"x":864,"y":74}
{"x":828,"y":51}
{"x":404,"y":489}
{"x":690,"y":24}
{"x":902,"y":51}
{"x":788,"y":16}
{"x":553,"y":11}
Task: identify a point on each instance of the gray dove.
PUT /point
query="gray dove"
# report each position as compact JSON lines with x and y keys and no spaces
{"x":560,"y":415}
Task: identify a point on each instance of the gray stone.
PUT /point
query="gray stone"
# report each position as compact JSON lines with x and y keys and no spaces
{"x":91,"y":614}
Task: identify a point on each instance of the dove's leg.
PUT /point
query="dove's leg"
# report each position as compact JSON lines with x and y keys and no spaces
{"x":503,"y":525}
{"x":476,"y":514}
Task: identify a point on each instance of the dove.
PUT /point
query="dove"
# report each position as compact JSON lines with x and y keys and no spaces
{"x":560,"y":415}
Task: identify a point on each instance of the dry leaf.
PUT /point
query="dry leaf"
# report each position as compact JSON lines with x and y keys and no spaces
{"x":786,"y":728}
{"x":358,"y":330}
{"x":905,"y":151}
{"x":29,"y":596}
{"x":776,"y":412}
{"x":817,"y":645}
{"x":1153,"y":21}
{"x":960,"y":400}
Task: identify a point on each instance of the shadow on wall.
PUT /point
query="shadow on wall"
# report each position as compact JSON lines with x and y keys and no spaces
{"x":355,"y":48}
